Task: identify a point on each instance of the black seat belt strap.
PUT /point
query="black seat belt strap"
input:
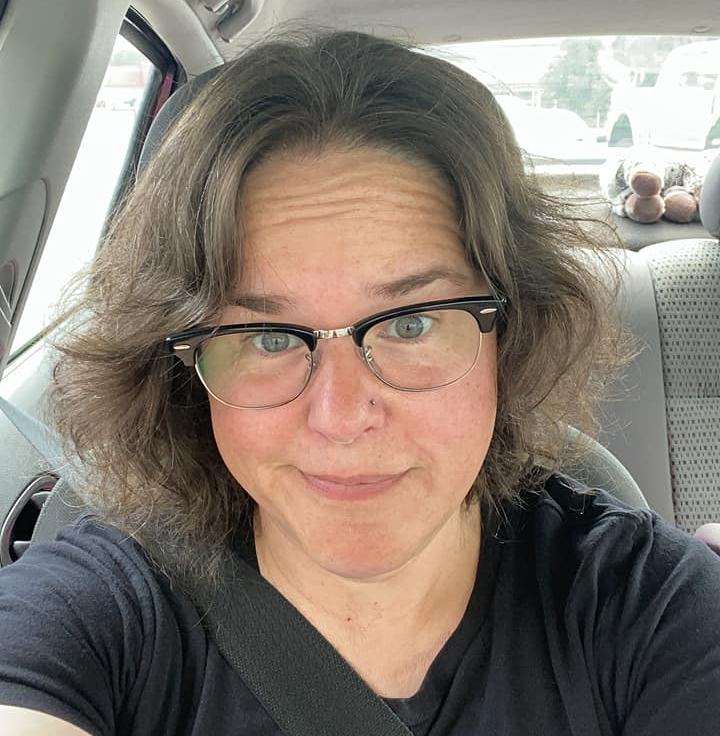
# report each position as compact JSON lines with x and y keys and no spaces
{"x":297,"y":675}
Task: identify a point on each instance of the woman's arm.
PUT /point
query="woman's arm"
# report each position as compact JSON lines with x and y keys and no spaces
{"x":72,"y":633}
{"x":674,"y":677}
{"x":25,"y":722}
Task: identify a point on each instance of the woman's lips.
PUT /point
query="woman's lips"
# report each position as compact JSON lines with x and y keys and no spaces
{"x":351,"y":488}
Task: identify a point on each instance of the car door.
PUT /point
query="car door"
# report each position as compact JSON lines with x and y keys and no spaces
{"x":69,"y":146}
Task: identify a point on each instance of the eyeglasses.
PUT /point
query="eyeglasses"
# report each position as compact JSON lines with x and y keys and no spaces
{"x":420,"y":347}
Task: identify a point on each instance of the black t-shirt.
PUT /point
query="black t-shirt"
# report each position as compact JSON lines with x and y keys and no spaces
{"x":587,"y":618}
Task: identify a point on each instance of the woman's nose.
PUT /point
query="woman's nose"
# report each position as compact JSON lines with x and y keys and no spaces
{"x":343,"y":394}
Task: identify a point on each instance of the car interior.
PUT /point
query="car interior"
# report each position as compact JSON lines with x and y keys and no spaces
{"x":90,"y":87}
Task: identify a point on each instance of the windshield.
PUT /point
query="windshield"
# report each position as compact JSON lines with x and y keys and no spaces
{"x":577,"y":103}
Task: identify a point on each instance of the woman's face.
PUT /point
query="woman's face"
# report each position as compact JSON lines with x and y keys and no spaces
{"x":322,"y":236}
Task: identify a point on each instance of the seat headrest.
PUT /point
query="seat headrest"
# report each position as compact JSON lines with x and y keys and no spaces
{"x":169,"y":112}
{"x":710,"y":199}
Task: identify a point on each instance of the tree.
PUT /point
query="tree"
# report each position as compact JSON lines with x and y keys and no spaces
{"x":574,"y":81}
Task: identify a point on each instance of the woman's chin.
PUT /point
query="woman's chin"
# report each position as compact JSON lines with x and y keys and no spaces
{"x":361,"y":561}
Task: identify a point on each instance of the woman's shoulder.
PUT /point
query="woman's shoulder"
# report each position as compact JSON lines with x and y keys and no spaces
{"x":591,"y":519}
{"x":590,"y":527}
{"x":94,"y":571}
{"x":639,"y":597}
{"x":93,"y":560}
{"x":587,"y":555}
{"x":622,"y":572}
{"x":86,"y":621}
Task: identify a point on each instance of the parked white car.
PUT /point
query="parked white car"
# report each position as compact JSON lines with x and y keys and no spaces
{"x":681,"y":110}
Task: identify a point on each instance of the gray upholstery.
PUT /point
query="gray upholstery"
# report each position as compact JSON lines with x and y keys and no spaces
{"x":666,"y":428}
{"x":686,"y":279}
{"x":634,"y":419}
{"x":710,"y":199}
{"x":601,"y":469}
{"x":170,"y":112}
{"x":638,"y":235}
{"x":686,"y":276}
{"x":62,"y":507}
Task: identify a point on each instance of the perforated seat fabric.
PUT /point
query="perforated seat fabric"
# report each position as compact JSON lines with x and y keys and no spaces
{"x":686,"y":279}
{"x":665,"y":427}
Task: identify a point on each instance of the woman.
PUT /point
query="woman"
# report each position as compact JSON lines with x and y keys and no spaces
{"x":336,"y":330}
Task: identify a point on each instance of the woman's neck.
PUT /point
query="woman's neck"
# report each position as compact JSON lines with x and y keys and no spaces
{"x":390,"y":627}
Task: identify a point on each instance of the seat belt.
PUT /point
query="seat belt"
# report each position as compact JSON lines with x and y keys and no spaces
{"x":294,"y":672}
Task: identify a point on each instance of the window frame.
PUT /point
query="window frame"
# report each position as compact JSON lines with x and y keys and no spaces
{"x":136,"y":30}
{"x":168,"y":77}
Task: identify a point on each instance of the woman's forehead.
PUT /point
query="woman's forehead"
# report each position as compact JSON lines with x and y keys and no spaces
{"x":349,"y":217}
{"x":365,"y":184}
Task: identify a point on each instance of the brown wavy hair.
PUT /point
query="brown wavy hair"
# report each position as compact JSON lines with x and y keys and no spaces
{"x":139,"y":420}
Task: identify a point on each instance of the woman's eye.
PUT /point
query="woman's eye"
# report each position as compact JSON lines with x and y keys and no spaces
{"x":275,"y":342}
{"x":410,"y":326}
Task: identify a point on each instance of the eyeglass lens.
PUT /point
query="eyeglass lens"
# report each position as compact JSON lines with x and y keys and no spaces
{"x":419,"y":351}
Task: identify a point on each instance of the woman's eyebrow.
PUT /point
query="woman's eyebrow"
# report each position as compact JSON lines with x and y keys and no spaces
{"x":412,"y":282}
{"x":276,"y":304}
{"x":263,"y":303}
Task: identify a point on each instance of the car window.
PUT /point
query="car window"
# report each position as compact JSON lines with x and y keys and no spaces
{"x":576,"y":103}
{"x":98,"y":170}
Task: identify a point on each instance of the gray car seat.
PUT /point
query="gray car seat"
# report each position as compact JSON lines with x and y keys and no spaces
{"x":666,"y":430}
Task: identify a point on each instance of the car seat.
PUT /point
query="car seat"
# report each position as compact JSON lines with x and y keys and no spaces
{"x":664,"y":426}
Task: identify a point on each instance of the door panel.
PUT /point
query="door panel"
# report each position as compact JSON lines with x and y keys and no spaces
{"x":90,"y":142}
{"x":43,"y":115}
{"x":21,"y":218}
